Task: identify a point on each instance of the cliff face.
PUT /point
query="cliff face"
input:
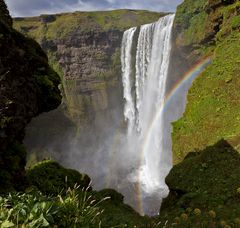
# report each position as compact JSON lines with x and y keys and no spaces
{"x":91,"y":69}
{"x":204,"y":28}
{"x":28,"y":87}
{"x":84,"y":47}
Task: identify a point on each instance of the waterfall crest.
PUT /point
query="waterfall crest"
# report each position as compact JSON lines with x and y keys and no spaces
{"x":144,"y":101}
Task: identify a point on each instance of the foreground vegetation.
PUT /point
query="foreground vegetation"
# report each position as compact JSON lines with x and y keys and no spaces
{"x":204,"y":192}
{"x":63,"y":197}
{"x":205,"y":188}
{"x":74,"y":209}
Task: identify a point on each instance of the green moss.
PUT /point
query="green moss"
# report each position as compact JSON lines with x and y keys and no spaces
{"x":205,"y":182}
{"x":231,"y":20}
{"x":51,"y":178}
{"x":197,"y":29}
{"x":213,"y":109}
{"x":55,"y":64}
{"x":12,"y":162}
{"x":118,"y":214}
{"x":191,"y":21}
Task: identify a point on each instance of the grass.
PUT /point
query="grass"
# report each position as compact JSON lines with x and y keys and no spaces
{"x":191,"y":20}
{"x":76,"y":208}
{"x":51,"y":178}
{"x":213,"y":103}
{"x":67,"y":23}
{"x":205,"y":188}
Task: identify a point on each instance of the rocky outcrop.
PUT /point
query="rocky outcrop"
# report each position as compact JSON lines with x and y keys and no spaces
{"x":28,"y":87}
{"x":4,"y":14}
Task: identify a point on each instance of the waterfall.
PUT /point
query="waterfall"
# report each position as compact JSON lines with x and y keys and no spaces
{"x":144,"y":102}
{"x":126,"y":59}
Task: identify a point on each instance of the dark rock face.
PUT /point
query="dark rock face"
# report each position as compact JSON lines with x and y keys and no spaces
{"x":4,"y":14}
{"x":28,"y":87}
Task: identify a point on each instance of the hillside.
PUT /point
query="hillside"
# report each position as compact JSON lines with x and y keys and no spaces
{"x":209,"y":28}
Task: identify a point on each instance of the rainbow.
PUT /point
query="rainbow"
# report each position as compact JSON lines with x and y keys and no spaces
{"x":189,"y":77}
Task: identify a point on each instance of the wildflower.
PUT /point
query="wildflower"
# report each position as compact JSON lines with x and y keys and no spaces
{"x":223,"y":223}
{"x":237,"y":221}
{"x":197,"y":212}
{"x":238,"y":191}
{"x":189,"y":210}
{"x":184,"y":217}
{"x":177,"y":219}
{"x":212,"y":214}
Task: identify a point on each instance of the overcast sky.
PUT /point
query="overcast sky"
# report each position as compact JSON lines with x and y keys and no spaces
{"x":19,"y":8}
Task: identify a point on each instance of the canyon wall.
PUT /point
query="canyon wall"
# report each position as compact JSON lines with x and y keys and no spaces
{"x":84,"y":48}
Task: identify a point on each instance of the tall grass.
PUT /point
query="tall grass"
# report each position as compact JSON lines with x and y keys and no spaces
{"x":75,"y":208}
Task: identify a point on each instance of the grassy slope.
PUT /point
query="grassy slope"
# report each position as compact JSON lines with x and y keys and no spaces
{"x":191,"y":17}
{"x":213,"y":108}
{"x":64,"y":24}
{"x":208,"y":181}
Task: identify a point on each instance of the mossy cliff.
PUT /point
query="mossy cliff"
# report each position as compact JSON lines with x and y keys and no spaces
{"x":29,"y":86}
{"x":202,"y":28}
{"x":84,"y":48}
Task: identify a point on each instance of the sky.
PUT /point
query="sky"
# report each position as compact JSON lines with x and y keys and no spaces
{"x":24,"y":8}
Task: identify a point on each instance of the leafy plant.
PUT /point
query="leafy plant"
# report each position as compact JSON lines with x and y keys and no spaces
{"x":76,"y":208}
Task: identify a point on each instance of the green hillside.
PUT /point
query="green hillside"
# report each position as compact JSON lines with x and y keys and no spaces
{"x":61,"y":25}
{"x":213,"y":102}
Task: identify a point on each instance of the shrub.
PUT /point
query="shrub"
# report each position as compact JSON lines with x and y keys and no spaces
{"x":212,"y":214}
{"x":76,"y":208}
{"x":51,"y":178}
{"x":197,"y":212}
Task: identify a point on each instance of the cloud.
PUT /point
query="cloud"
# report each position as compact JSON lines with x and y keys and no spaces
{"x":20,"y":8}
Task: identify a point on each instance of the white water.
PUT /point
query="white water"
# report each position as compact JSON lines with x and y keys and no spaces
{"x":144,"y":103}
{"x":126,"y":59}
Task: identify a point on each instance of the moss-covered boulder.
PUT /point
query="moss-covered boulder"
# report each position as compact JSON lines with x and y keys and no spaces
{"x":51,"y":178}
{"x":4,"y":14}
{"x":118,"y":214}
{"x":12,"y":172}
{"x":207,"y":181}
{"x":29,"y":86}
